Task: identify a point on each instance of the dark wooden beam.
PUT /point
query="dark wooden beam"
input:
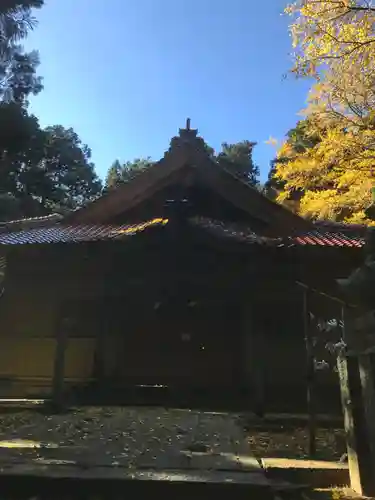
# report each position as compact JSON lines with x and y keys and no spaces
{"x":357,"y":399}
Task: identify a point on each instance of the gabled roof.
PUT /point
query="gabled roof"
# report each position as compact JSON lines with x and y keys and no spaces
{"x":324,"y":234}
{"x":187,"y":160}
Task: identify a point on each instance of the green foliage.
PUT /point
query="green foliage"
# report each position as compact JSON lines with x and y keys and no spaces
{"x":18,"y":78}
{"x":237,"y":158}
{"x":70,"y":178}
{"x":10,"y":207}
{"x":17,"y":69}
{"x":42,"y":170}
{"x":119,"y":173}
{"x":16,"y":21}
{"x":113,"y":177}
{"x":131,"y":169}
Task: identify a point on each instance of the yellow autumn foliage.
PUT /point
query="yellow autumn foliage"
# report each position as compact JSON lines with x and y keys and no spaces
{"x":334,"y":177}
{"x":334,"y":43}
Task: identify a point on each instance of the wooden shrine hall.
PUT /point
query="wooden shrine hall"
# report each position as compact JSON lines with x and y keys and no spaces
{"x":183,"y":277}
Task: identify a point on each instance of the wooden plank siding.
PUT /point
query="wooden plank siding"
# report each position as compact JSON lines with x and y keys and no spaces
{"x":26,"y":364}
{"x":36,"y":286}
{"x":112,"y":289}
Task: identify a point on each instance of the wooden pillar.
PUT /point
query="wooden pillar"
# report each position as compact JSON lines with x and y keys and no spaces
{"x":357,"y":397}
{"x":59,"y":363}
{"x":366,"y":376}
{"x":310,"y":374}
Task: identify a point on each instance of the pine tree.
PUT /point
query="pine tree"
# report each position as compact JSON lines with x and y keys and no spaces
{"x":113,"y":177}
{"x":238,"y":159}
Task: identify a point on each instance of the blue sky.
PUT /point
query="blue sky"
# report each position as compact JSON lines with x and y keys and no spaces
{"x":125,"y":74}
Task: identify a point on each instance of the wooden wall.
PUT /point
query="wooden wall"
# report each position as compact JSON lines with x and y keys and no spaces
{"x":38,"y":283}
{"x":41,"y":282}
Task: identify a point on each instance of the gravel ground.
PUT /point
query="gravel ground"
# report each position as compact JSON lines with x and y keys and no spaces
{"x":156,"y":438}
{"x":293,"y":443}
{"x":130,"y":437}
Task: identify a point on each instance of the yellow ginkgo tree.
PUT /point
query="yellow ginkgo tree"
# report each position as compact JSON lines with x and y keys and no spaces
{"x":334,"y":178}
{"x":334,"y":43}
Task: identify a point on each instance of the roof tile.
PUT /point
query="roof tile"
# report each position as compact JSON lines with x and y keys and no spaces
{"x":326,"y":234}
{"x":347,"y":237}
{"x":75,"y":234}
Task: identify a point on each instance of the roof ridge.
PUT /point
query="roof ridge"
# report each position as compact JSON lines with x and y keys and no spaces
{"x":27,"y":219}
{"x":329,"y":223}
{"x":30,"y":223}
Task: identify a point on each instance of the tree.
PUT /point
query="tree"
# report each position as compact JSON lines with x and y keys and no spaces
{"x":40,"y":170}
{"x":15,"y":23}
{"x":334,"y":43}
{"x":10,"y":208}
{"x":17,"y":69}
{"x":65,"y":176}
{"x":238,"y":159}
{"x":19,"y":78}
{"x":298,"y":140}
{"x":19,"y":136}
{"x":334,"y":177}
{"x":113,"y":177}
{"x":118,"y":174}
{"x":131,"y":169}
{"x":43,"y":170}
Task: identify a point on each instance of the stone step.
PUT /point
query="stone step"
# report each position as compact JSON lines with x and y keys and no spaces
{"x":44,"y":478}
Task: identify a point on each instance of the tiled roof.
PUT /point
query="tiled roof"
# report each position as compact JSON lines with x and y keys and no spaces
{"x":235,"y":231}
{"x":71,"y":234}
{"x":326,"y":233}
{"x":333,"y":234}
{"x":328,"y":239}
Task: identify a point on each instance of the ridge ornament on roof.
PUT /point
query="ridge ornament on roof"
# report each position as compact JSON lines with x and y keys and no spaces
{"x":188,"y":138}
{"x":188,"y":133}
